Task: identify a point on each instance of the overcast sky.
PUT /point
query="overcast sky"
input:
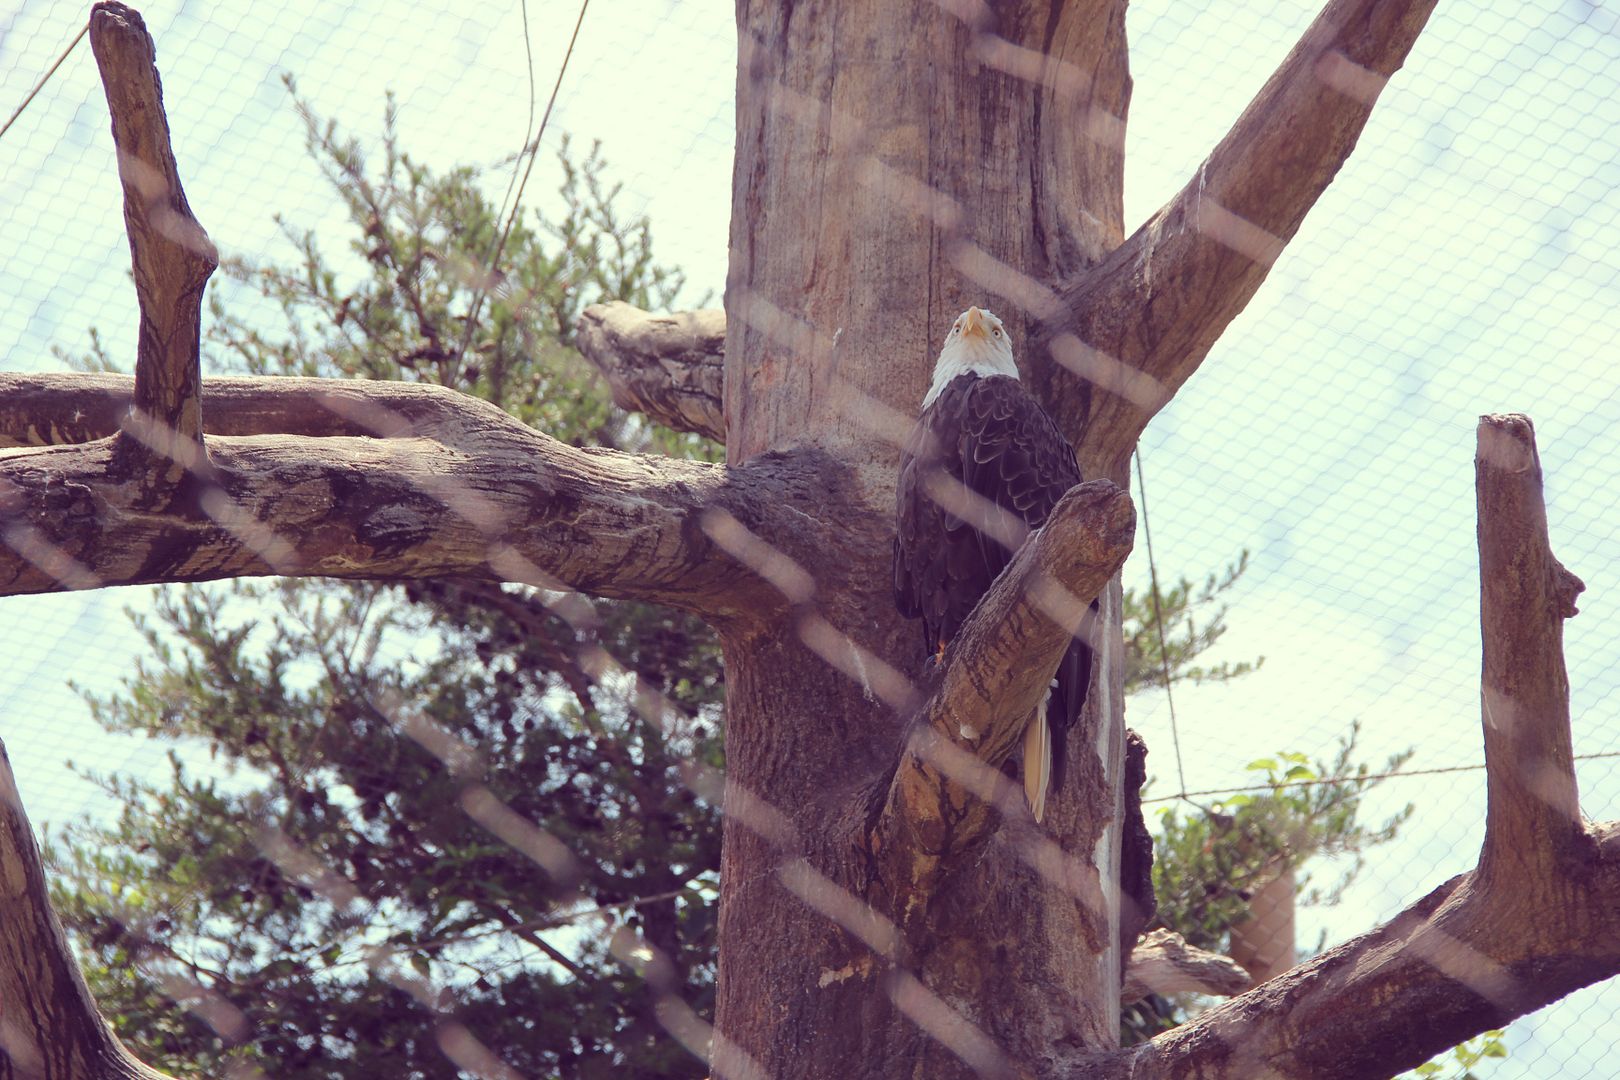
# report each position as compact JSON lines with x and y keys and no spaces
{"x":1463,"y":262}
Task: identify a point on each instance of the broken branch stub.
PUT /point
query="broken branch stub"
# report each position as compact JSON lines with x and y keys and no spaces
{"x":1532,"y":818}
{"x":172,"y":254}
{"x":996,"y":671}
{"x":669,"y":368}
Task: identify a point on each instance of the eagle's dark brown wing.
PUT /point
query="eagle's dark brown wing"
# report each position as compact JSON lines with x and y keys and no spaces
{"x":982,"y":468}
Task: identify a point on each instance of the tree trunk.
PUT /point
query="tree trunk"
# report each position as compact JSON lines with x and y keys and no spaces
{"x":859,"y":231}
{"x":1263,"y":940}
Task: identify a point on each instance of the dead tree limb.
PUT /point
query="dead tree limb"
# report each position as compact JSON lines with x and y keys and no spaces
{"x":463,"y":490}
{"x":1139,"y":323}
{"x":1537,"y":919}
{"x":172,"y":255}
{"x":1533,"y":818}
{"x":65,"y":409}
{"x":1163,"y":963}
{"x":667,"y":367}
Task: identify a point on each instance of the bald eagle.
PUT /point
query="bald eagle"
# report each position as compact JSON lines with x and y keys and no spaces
{"x":983,"y":466}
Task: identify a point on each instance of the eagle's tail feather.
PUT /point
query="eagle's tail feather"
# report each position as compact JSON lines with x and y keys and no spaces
{"x":1037,"y":761}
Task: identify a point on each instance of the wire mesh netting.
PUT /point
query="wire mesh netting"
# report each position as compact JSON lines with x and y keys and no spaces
{"x":1461,"y":263}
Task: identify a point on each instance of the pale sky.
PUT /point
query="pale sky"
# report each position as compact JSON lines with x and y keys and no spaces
{"x":1463,"y":262}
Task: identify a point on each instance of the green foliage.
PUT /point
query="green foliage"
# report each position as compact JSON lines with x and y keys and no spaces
{"x":1465,"y":1056}
{"x":342,"y":836}
{"x":1207,"y":864}
{"x":1184,"y":640}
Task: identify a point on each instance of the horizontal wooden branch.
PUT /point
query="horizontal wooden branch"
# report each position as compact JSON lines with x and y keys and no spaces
{"x":172,"y":255}
{"x":63,"y":409}
{"x":667,"y":367}
{"x":997,"y":669}
{"x":49,"y":1024}
{"x":459,"y":488}
{"x":1163,"y":963}
{"x":1138,"y":324}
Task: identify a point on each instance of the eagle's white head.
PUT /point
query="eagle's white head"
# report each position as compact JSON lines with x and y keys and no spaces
{"x":977,"y":343}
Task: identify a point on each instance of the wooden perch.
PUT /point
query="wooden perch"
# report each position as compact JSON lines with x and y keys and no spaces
{"x":1538,"y":918}
{"x":172,"y":255}
{"x":49,"y":1024}
{"x":460,"y":489}
{"x":1163,"y":963}
{"x":1139,"y":323}
{"x":996,"y":670}
{"x":668,"y":367}
{"x":64,"y":409}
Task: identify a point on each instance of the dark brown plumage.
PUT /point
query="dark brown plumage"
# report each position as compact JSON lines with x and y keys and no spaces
{"x":982,"y":468}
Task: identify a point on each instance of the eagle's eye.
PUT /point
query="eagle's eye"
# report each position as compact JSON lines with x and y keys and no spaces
{"x":995,"y":331}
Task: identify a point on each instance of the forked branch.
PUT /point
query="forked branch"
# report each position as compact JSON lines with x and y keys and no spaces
{"x":1139,"y":323}
{"x":940,"y":803}
{"x":1539,"y":917}
{"x":457,"y":487}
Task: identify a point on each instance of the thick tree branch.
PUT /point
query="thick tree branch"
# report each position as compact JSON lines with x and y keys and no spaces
{"x":1139,"y":323}
{"x":1539,"y":917}
{"x":1163,"y":963}
{"x":462,"y":490}
{"x":62,"y":409}
{"x":668,"y":367}
{"x":172,"y":255}
{"x":939,"y":804}
{"x":1533,"y":821}
{"x":49,"y":1024}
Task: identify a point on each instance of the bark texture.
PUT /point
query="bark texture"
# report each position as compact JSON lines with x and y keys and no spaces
{"x":668,"y":367}
{"x":49,"y":1025}
{"x":1532,"y":922}
{"x":172,"y":255}
{"x":1163,"y":963}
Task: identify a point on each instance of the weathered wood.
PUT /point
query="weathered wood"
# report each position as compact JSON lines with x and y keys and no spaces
{"x":667,"y":367}
{"x":857,"y":235}
{"x":49,"y":1025}
{"x":463,"y":489}
{"x":1532,"y":818}
{"x":858,"y":232}
{"x":172,"y":255}
{"x":992,"y":171}
{"x":1539,"y":916}
{"x":56,"y":409}
{"x":1263,"y":939}
{"x":1125,"y":334}
{"x":1163,"y":963}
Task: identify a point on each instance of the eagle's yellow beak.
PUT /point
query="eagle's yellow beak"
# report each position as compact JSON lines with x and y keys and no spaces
{"x":974,"y":323}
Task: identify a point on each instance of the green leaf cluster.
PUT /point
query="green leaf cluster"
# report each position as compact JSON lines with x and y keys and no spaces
{"x":1209,"y":861}
{"x":1463,"y":1058}
{"x":1167,"y":629}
